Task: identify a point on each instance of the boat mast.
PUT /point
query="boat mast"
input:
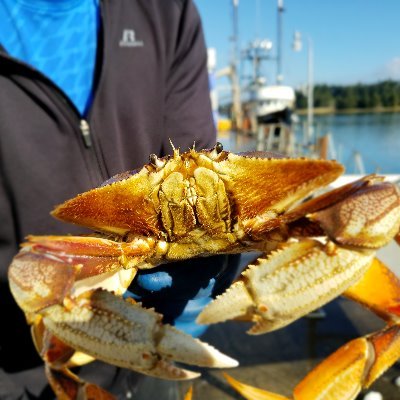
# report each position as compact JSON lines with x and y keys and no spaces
{"x":236,"y":101}
{"x":279,"y":74}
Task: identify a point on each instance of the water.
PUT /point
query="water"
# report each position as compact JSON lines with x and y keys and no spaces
{"x":375,"y":136}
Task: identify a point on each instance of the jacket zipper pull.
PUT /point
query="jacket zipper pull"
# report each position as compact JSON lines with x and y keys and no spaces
{"x":85,"y":130}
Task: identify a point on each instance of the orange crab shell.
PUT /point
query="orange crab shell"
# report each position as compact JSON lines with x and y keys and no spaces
{"x":257,"y":184}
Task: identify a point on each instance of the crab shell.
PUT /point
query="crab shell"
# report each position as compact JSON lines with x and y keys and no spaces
{"x":199,"y":203}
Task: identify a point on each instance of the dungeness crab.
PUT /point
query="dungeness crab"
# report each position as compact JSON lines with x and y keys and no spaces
{"x":202,"y":203}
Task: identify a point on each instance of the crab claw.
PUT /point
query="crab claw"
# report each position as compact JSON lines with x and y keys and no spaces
{"x":368,"y":218}
{"x":125,"y":334}
{"x":288,"y":284}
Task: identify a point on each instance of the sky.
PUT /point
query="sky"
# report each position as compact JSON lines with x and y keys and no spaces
{"x":352,"y":41}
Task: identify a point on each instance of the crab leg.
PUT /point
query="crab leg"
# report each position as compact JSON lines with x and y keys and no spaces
{"x":384,"y":302}
{"x":359,"y":363}
{"x":67,"y":386}
{"x":74,"y":264}
{"x":397,"y":238}
{"x":58,"y":359}
{"x":125,"y":334}
{"x":354,"y":366}
{"x":94,"y":255}
{"x":252,"y":393}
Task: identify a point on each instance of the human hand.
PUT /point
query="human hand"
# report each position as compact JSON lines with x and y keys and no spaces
{"x":182,"y":289}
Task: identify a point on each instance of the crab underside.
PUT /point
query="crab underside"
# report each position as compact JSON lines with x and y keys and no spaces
{"x":201,"y":204}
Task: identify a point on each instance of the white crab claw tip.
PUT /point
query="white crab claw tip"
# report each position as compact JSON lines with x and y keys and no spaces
{"x":186,"y":349}
{"x":222,"y":360}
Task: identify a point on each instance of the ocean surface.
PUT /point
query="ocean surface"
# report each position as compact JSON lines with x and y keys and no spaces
{"x":376,"y":137}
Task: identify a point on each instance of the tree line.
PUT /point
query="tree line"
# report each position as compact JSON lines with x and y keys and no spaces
{"x":384,"y":94}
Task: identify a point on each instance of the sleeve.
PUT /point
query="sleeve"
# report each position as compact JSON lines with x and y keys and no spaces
{"x":188,"y":115}
{"x":8,"y":236}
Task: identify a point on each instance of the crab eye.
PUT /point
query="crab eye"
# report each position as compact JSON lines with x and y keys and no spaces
{"x":219,"y":147}
{"x":215,"y":151}
{"x":153,"y":159}
{"x":156,"y":162}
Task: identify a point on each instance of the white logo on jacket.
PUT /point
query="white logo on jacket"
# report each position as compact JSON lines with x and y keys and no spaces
{"x":129,"y":39}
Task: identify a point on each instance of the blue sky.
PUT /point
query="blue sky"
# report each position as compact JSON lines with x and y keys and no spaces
{"x":353,"y":40}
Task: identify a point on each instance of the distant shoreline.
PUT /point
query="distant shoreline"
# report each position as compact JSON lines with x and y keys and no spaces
{"x":330,"y":110}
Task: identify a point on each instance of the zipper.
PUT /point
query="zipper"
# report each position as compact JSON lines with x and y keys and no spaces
{"x":79,"y":124}
{"x":85,"y":131}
